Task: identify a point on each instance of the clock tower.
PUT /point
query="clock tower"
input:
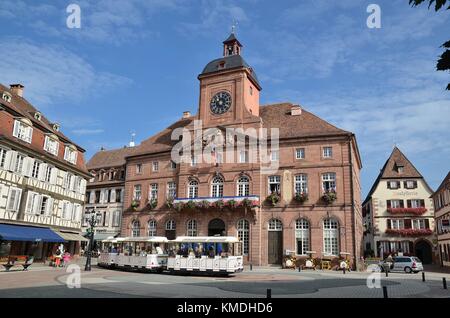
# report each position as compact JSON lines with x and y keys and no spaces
{"x":229,"y":89}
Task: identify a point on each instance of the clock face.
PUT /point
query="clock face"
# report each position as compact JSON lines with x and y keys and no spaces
{"x":220,"y":103}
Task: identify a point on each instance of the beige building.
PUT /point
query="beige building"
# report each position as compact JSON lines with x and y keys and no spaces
{"x":441,"y":199}
{"x":398,"y":212}
{"x":105,"y":191}
{"x":42,"y":181}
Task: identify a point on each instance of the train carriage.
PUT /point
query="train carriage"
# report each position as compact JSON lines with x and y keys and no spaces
{"x":207,"y":254}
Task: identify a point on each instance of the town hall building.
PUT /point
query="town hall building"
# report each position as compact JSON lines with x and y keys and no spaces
{"x":309,"y":206}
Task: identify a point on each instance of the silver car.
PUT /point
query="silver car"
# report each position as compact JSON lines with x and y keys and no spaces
{"x":407,"y":264}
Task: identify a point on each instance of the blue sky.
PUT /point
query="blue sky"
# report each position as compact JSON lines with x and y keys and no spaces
{"x":133,"y":66}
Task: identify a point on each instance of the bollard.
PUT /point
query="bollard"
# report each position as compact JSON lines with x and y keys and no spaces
{"x":269,"y":293}
{"x":343,"y":270}
{"x":251,"y":266}
{"x":444,"y":282}
{"x":423,"y":276}
{"x":385,"y":294}
{"x":299,"y":269}
{"x":386,"y":271}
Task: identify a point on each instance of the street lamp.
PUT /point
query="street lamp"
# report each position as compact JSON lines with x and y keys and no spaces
{"x":90,"y":231}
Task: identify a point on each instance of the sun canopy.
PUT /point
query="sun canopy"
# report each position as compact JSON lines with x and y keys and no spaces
{"x":9,"y":232}
{"x":69,"y":236}
{"x":206,"y":239}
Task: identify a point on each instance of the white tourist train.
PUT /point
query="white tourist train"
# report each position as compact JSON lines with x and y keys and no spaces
{"x":209,"y":254}
{"x":202,"y":254}
{"x":145,"y":253}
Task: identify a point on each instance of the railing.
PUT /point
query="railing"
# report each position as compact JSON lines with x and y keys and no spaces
{"x":216,"y":202}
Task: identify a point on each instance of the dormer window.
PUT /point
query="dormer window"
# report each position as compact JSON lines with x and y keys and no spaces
{"x":37,"y":116}
{"x":221,"y":65}
{"x":51,"y":144}
{"x":70,"y":154}
{"x":7,"y":97}
{"x":55,"y":127}
{"x":23,"y":129}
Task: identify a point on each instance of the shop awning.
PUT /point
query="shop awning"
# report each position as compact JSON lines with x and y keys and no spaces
{"x":9,"y":232}
{"x":70,"y":236}
{"x":103,"y":236}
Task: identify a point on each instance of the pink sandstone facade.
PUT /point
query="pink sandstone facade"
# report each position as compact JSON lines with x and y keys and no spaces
{"x":313,"y":156}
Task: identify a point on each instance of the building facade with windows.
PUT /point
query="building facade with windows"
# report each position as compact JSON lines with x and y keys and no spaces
{"x":42,"y":180}
{"x":309,"y":204}
{"x":398,"y":212}
{"x":105,"y":192}
{"x":441,"y":200}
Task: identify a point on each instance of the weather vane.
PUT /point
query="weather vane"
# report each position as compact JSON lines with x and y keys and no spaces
{"x":234,"y":25}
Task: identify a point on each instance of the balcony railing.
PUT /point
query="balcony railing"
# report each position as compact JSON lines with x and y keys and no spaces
{"x":416,"y":211}
{"x":216,"y":202}
{"x":409,"y":232}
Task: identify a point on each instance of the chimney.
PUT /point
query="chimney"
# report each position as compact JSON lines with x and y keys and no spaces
{"x":186,"y":114}
{"x":17,"y":89}
{"x":296,"y":110}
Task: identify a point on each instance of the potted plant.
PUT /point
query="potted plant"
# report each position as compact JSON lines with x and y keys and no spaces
{"x":135,"y":204}
{"x":219,"y":204}
{"x":204,"y":204}
{"x":178,"y":206}
{"x":152,"y":203}
{"x":329,"y":196}
{"x":232,"y":203}
{"x":301,"y":197}
{"x":169,"y":203}
{"x":190,"y":205}
{"x":273,"y":198}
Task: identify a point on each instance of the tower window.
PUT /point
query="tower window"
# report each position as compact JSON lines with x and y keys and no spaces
{"x":230,"y":50}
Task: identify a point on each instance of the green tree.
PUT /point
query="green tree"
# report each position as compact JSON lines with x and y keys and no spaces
{"x":443,"y":64}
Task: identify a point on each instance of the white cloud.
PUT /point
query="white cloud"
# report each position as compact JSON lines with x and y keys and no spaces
{"x":52,"y":74}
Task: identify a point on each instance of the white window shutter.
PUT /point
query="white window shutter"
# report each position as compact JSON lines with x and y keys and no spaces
{"x":91,"y":197}
{"x":37,"y":204}
{"x":17,"y":199}
{"x":72,"y":182}
{"x":106,"y":218}
{"x":102,"y":196}
{"x":113,"y":195}
{"x":53,"y":175}
{"x":27,"y":166}
{"x":64,"y":178}
{"x":42,"y":171}
{"x":50,"y":203}
{"x":16,"y":128}
{"x":83,"y":186}
{"x":29,"y":208}
{"x":11,"y":158}
{"x":30,"y":134}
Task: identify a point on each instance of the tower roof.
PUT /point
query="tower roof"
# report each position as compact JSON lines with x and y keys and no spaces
{"x":232,"y":38}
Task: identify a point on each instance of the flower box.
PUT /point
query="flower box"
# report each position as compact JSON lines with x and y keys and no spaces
{"x":416,"y":211}
{"x":273,"y":198}
{"x":204,"y":204}
{"x":219,"y":204}
{"x":329,"y":196}
{"x":301,"y":197}
{"x":135,"y":204}
{"x":152,"y":203}
{"x":409,"y":232}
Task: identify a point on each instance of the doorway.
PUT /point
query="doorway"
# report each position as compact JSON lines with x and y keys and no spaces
{"x":423,"y":251}
{"x":216,"y":227}
{"x":275,"y":242}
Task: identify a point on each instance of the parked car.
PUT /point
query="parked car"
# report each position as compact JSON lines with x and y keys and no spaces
{"x":407,"y":264}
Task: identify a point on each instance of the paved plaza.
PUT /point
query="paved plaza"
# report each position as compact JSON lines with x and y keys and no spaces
{"x":46,"y":281}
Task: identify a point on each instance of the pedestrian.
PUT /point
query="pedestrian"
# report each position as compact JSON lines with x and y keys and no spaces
{"x":58,"y":257}
{"x":66,"y":258}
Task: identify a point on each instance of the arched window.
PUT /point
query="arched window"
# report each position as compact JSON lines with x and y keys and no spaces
{"x":331,"y":237}
{"x":243,"y":187}
{"x":217,"y":187}
{"x":192,"y":228}
{"x":275,"y":225}
{"x":302,"y":236}
{"x":135,"y":229}
{"x":192,"y":189}
{"x":243,"y":232}
{"x":171,"y":229}
{"x":152,"y":228}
